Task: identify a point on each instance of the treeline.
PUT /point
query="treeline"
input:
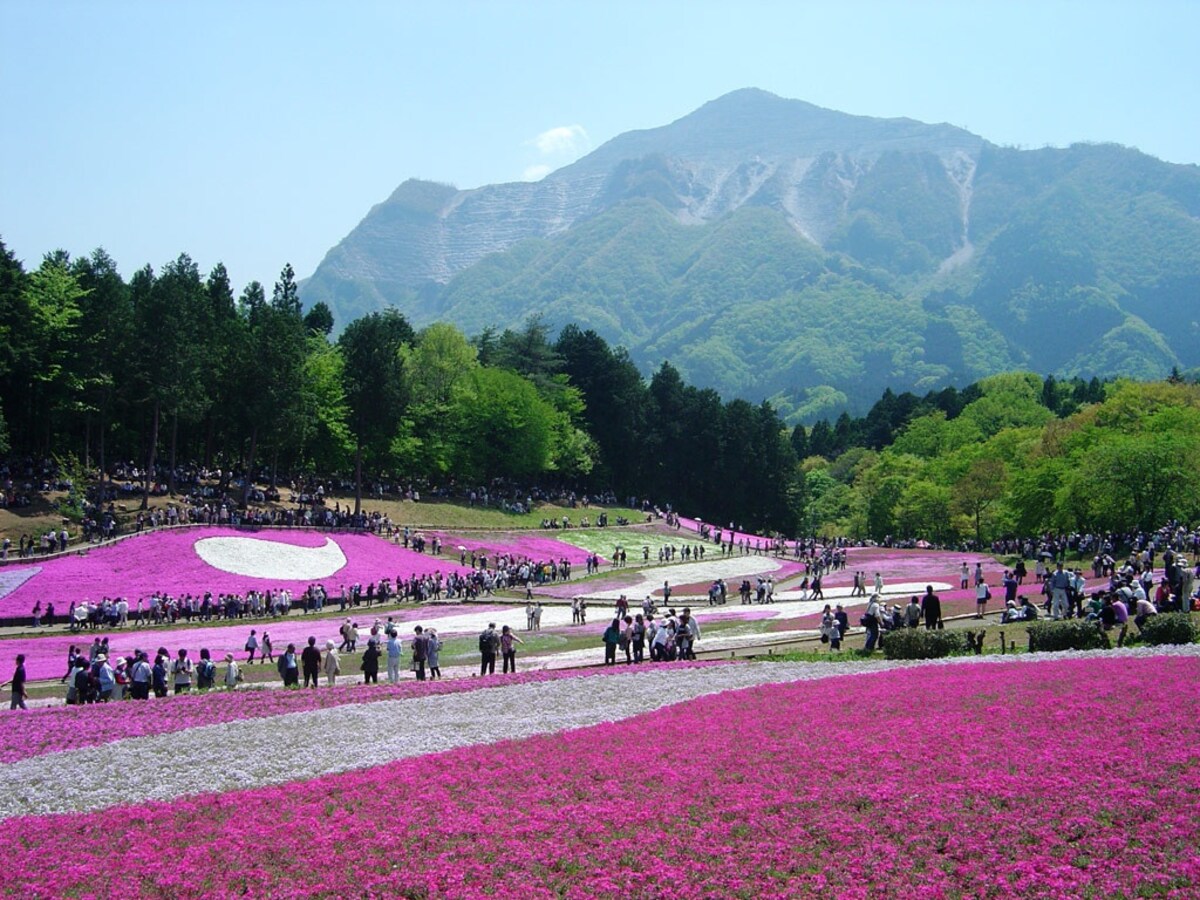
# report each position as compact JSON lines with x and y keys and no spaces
{"x":171,"y":367}
{"x":1012,"y":455}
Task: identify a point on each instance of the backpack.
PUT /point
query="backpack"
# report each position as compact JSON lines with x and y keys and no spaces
{"x":485,"y":642}
{"x":207,"y":669}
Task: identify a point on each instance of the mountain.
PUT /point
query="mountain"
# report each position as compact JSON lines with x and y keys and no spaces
{"x":771,"y":248}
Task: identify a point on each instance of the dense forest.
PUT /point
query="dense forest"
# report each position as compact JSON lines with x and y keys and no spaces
{"x":170,"y":368}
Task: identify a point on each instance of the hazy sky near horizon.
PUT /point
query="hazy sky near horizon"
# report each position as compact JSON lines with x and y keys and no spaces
{"x":260,"y":133}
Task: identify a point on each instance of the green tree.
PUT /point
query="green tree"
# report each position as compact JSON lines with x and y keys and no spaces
{"x":52,"y":300}
{"x":375,"y":388}
{"x":437,"y":371}
{"x":319,"y":319}
{"x":511,"y":427}
{"x":106,"y":317}
{"x":977,"y":491}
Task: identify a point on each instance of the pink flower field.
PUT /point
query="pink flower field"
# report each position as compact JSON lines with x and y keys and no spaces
{"x":167,"y":561}
{"x":536,"y":547}
{"x":1064,"y":779}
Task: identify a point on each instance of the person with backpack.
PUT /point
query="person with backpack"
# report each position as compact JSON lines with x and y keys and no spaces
{"x":638,"y":638}
{"x":489,"y":643}
{"x":206,"y":671}
{"x":611,"y":638}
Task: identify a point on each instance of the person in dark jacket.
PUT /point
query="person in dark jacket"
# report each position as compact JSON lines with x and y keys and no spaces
{"x":310,"y":661}
{"x":370,"y":663}
{"x":931,"y":606}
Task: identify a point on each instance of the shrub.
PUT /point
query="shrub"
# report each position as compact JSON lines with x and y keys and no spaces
{"x":1072,"y":634}
{"x":1170,"y":628}
{"x":917,"y":643}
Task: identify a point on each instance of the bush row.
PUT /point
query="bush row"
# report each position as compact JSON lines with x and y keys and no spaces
{"x":917,"y":643}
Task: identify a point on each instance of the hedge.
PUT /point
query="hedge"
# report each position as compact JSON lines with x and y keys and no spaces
{"x":1070,"y":634}
{"x":1170,"y":628}
{"x":917,"y":643}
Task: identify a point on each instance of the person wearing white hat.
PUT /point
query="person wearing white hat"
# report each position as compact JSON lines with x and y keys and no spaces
{"x":331,"y":665}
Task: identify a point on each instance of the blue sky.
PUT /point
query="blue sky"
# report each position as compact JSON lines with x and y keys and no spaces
{"x":258,"y":133}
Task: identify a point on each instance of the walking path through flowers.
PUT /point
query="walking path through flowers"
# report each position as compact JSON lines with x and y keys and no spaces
{"x":295,"y":746}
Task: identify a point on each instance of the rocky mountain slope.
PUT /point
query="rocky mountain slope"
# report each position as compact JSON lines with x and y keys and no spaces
{"x":769,"y":247}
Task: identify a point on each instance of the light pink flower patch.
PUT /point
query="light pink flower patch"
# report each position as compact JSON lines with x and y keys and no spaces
{"x":167,"y":561}
{"x":940,"y":781}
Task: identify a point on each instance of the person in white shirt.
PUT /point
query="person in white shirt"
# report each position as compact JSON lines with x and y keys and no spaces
{"x":232,"y":674}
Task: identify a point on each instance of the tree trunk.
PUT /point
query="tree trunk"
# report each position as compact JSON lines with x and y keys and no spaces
{"x":248,"y":469}
{"x":153,"y":456}
{"x":174,"y":443}
{"x":208,"y":441}
{"x":357,"y":477}
{"x":87,"y":442}
{"x":103,"y":467}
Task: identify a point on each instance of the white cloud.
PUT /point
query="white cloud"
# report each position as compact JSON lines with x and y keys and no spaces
{"x":536,"y":173}
{"x":565,"y":140}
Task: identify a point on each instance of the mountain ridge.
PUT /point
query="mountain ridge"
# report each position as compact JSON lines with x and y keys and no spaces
{"x":969,"y":244}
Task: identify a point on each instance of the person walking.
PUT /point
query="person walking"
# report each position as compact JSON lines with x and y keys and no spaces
{"x":870,"y":621}
{"x":509,"y":652}
{"x":983,"y":594}
{"x":268,"y":652}
{"x":19,"y":692}
{"x":251,"y":646}
{"x":232,"y":674}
